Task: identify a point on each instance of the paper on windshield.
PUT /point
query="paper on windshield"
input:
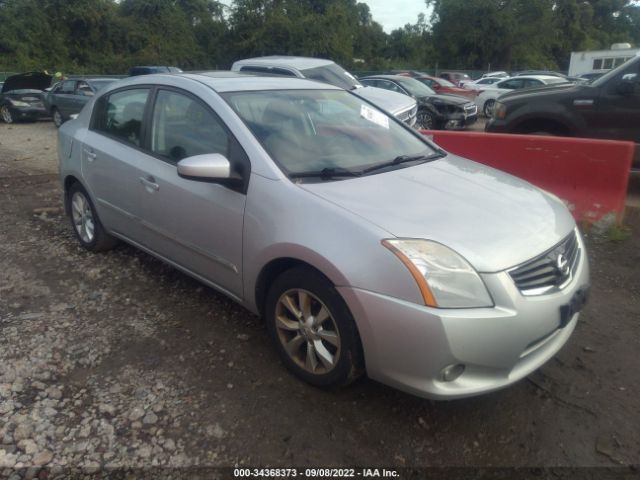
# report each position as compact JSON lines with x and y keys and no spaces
{"x":374,"y":116}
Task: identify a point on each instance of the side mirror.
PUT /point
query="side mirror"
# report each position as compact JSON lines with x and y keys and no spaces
{"x":628,"y":84}
{"x":210,"y":166}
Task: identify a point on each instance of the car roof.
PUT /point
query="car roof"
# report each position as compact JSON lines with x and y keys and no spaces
{"x":535,"y":77}
{"x":387,"y":77}
{"x":222,"y":82}
{"x":300,"y":63}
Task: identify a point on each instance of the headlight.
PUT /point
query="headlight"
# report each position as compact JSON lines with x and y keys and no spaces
{"x":445,"y":279}
{"x":18,"y":103}
{"x":500,"y":111}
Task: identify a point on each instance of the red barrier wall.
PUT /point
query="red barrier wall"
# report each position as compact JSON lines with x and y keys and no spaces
{"x":590,"y":175}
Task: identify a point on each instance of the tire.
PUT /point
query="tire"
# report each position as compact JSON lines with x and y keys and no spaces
{"x":57,"y":117}
{"x":335,"y":358}
{"x":6,"y":115}
{"x":489,"y":105}
{"x":426,"y":120}
{"x":85,"y":222}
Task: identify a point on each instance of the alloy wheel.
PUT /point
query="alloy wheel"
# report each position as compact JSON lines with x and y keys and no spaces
{"x":307,"y":331}
{"x":6,"y":114}
{"x":82,"y":217}
{"x":57,"y":117}
{"x":425,"y":120}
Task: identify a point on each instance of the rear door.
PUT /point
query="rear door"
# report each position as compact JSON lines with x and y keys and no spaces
{"x":112,"y":160}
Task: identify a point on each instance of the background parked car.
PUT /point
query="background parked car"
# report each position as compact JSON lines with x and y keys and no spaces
{"x":481,"y":83}
{"x":21,"y":97}
{"x":608,"y":107}
{"x":326,"y":71}
{"x":148,"y":70}
{"x":69,"y":96}
{"x":487,"y":98}
{"x":457,"y":78}
{"x":496,"y":75}
{"x":440,"y":85}
{"x":435,"y":111}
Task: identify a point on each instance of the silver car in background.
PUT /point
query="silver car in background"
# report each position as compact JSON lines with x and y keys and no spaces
{"x":403,"y":107}
{"x":364,"y":246}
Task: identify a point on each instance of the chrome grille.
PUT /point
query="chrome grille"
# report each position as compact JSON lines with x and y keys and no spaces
{"x":408,"y":116}
{"x":470,"y":109}
{"x":550,"y":271}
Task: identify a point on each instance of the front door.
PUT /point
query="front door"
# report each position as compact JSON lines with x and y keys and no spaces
{"x":197,"y":225}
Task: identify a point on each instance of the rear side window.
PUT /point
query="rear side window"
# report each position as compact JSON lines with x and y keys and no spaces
{"x":183,"y":127}
{"x":121,"y":115}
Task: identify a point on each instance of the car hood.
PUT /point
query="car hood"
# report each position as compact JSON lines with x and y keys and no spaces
{"x":27,"y":81}
{"x":562,"y":89}
{"x":391,"y":102}
{"x":445,"y":98}
{"x":494,"y":220}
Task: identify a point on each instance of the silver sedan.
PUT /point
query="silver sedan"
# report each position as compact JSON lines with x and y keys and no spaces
{"x":365,"y":247}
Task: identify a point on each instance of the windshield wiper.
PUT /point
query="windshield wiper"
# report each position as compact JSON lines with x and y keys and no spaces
{"x":405,"y":159}
{"x":327,"y":173}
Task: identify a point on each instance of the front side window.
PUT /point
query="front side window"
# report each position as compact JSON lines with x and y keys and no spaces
{"x":183,"y":127}
{"x":68,"y":86}
{"x":121,"y":115}
{"x":308,"y":131}
{"x":511,"y":84}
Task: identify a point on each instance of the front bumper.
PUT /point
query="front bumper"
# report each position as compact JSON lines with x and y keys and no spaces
{"x":28,"y":113}
{"x":407,"y":345}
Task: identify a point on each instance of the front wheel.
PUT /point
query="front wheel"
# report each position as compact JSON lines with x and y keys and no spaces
{"x":57,"y":117}
{"x":489,"y":107}
{"x":426,"y":120}
{"x":6,"y":115}
{"x":313,"y":329}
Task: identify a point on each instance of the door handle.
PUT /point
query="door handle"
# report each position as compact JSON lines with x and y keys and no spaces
{"x":91,"y":156}
{"x":150,"y":184}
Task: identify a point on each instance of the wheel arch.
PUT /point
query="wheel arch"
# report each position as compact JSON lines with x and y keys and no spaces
{"x":69,"y":181}
{"x":272,"y":270}
{"x":542,"y":123}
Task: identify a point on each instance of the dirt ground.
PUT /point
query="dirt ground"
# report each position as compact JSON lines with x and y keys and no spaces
{"x":117,"y":360}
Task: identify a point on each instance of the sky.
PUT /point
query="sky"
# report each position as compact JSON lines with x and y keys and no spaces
{"x":392,"y":14}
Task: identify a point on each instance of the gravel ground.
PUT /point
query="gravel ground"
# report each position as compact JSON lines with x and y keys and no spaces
{"x":116,"y":360}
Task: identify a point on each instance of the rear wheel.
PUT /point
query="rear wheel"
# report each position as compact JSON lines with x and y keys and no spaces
{"x":57,"y":117}
{"x":86,"y":224}
{"x":6,"y":115}
{"x":313,"y":330}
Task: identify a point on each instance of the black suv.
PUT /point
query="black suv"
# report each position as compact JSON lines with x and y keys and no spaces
{"x":608,"y":107}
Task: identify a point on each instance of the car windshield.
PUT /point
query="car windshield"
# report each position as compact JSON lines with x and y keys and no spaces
{"x":415,"y":87}
{"x":334,"y":75}
{"x":307,"y":131}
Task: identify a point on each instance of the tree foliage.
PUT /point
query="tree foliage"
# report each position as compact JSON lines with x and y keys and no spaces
{"x":109,"y":36}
